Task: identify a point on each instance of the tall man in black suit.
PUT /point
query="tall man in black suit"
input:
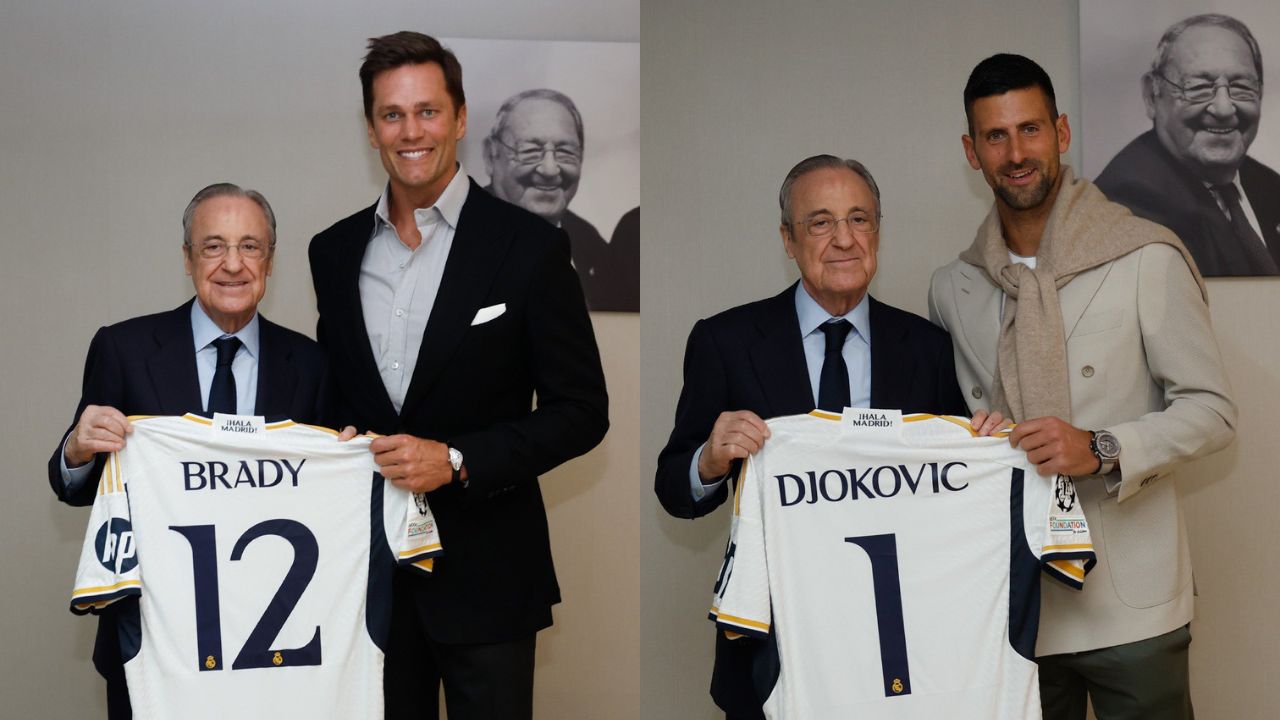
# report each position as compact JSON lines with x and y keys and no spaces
{"x":1190,"y":172}
{"x":444,"y":311}
{"x":823,"y":342}
{"x":215,"y":353}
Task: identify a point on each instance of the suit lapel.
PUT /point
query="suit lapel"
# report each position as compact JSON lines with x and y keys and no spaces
{"x":275,"y":381}
{"x":172,"y":366}
{"x":479,"y":246}
{"x":1257,"y":182}
{"x":893,"y":366}
{"x":977,"y":304}
{"x":1075,"y":296}
{"x":777,"y":356}
{"x":349,"y":316}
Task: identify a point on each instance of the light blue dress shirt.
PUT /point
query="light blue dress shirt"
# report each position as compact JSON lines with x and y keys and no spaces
{"x":244,"y":367}
{"x":398,"y":286}
{"x":856,"y":352}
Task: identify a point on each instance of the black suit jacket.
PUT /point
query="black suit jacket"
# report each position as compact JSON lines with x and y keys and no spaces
{"x":752,"y":358}
{"x":473,"y":388}
{"x":147,"y":366}
{"x":609,"y":271}
{"x":1148,"y":180}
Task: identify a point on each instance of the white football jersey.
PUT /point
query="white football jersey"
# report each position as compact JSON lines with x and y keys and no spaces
{"x":895,"y":563}
{"x":261,"y":555}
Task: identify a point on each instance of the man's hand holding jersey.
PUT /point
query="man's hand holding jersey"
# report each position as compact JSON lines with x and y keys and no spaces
{"x":100,"y":429}
{"x":734,"y":436}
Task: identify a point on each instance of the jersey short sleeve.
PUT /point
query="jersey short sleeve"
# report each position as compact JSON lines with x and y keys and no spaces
{"x":1057,"y":532}
{"x":741,"y":603}
{"x":108,"y":568}
{"x":411,"y":530}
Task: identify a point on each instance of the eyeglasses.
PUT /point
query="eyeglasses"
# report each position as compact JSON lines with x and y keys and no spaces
{"x":248,"y":249}
{"x":1202,"y":92}
{"x":531,"y":154}
{"x":825,"y":224}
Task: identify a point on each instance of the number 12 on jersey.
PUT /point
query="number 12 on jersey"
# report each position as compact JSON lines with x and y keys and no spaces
{"x":256,"y":652}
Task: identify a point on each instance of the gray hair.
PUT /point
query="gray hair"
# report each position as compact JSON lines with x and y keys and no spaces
{"x":500,"y":120}
{"x":227,"y":190}
{"x":820,"y":162}
{"x":1206,"y":20}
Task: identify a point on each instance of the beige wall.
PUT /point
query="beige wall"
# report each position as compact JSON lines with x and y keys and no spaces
{"x":736,"y":93}
{"x":113,"y":115}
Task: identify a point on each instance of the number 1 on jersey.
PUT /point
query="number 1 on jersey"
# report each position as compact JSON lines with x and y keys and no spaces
{"x":882,"y":550}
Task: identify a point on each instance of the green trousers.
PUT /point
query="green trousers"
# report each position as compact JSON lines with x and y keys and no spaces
{"x":1144,"y":680}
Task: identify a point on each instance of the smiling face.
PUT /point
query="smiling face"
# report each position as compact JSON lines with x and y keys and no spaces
{"x":230,"y":287}
{"x":416,"y":130}
{"x":1210,"y":137}
{"x":1016,"y":144}
{"x":835,"y":269}
{"x":546,"y":186}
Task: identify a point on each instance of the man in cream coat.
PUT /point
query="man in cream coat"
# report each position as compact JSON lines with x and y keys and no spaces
{"x":1089,"y":328}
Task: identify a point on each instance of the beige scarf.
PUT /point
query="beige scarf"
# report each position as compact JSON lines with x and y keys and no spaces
{"x":1084,"y":230}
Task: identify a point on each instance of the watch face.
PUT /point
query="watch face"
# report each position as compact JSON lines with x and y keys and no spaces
{"x":455,"y":459}
{"x":1108,"y":445}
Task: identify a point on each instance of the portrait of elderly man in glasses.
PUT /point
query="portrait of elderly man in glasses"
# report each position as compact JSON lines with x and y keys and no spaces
{"x":534,"y":159}
{"x":1190,"y":172}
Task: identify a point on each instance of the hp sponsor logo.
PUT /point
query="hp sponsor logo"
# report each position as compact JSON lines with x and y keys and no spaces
{"x":116,"y":550}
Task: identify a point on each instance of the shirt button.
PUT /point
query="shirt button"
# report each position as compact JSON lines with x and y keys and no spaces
{"x":399,"y":312}
{"x":395,"y":366}
{"x":976,"y":392}
{"x":1087,"y":371}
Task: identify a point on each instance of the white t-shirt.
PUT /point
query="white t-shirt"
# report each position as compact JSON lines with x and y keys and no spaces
{"x":895,"y":562}
{"x":262,"y":557}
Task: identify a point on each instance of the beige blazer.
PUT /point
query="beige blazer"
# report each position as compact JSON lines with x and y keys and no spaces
{"x":1144,"y":364}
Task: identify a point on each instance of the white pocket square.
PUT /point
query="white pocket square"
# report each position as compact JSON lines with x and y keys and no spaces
{"x":485,"y":314}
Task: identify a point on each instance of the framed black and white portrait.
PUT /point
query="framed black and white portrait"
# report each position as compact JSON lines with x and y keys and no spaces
{"x":554,"y":127}
{"x":1178,"y":127}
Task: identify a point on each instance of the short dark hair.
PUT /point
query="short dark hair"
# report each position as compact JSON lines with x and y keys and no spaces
{"x":409,"y":48}
{"x":1001,"y":73}
{"x":1206,"y":20}
{"x":820,"y":162}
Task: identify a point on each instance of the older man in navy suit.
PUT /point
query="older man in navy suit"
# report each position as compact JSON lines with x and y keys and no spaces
{"x":215,"y":353}
{"x":823,"y":342}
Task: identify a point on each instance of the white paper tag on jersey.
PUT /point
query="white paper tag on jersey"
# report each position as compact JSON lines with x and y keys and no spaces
{"x":239,"y":424}
{"x":873,"y":421}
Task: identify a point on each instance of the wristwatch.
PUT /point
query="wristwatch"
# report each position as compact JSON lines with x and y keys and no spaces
{"x":1105,"y":447}
{"x":455,"y":462}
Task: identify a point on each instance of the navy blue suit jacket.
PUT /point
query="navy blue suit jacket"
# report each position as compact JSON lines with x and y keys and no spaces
{"x":147,"y":366}
{"x":752,"y":358}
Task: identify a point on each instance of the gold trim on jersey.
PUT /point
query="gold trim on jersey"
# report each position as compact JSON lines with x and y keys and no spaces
{"x":420,"y":549}
{"x":1060,"y":548}
{"x":80,"y":592}
{"x":738,"y":482}
{"x":1069,"y":568}
{"x":743,"y":622}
